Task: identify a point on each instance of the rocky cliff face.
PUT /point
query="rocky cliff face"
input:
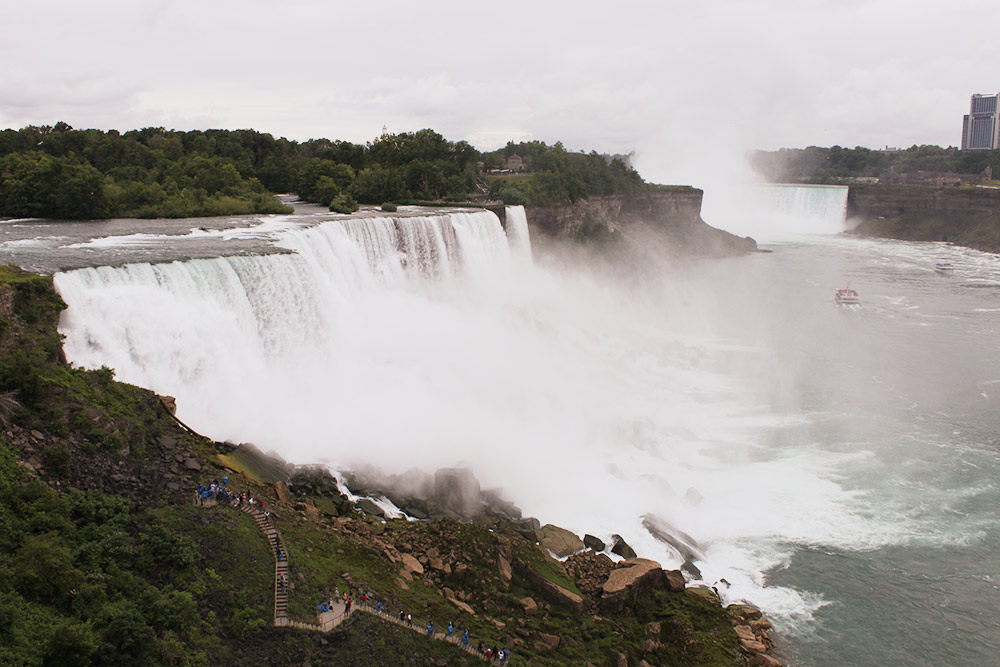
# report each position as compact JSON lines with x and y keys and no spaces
{"x":966,"y":216}
{"x":668,"y":220}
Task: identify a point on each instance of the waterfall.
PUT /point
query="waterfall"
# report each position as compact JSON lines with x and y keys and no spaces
{"x":517,"y":233}
{"x":256,"y":331}
{"x":810,"y":208}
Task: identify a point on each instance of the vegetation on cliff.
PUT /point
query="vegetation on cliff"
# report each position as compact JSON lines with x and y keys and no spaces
{"x":826,"y":165}
{"x":555,"y":175}
{"x":63,"y":173}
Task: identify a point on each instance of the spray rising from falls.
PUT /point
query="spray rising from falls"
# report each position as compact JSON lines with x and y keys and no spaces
{"x":431,"y":341}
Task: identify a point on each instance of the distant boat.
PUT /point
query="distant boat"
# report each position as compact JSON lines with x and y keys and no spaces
{"x":944,"y":267}
{"x":847,"y":297}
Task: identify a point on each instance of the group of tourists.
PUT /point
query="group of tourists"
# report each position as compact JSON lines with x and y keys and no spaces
{"x":499,"y":656}
{"x":219,"y":491}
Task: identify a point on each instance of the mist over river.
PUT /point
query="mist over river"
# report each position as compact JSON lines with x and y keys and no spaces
{"x":837,"y":468}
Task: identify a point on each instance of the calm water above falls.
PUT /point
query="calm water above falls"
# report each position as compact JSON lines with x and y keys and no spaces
{"x":837,"y":468}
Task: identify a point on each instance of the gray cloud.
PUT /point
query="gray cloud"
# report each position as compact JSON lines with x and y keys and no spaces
{"x":674,"y":81}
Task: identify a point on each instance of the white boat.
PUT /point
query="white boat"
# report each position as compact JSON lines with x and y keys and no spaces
{"x":847,"y":297}
{"x":944,"y":267}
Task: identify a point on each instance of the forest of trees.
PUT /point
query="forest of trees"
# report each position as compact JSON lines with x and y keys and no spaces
{"x":827,"y":165}
{"x":63,"y":173}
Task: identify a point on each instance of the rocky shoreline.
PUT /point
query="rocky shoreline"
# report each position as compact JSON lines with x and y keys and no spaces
{"x":966,"y":216}
{"x":610,"y":586}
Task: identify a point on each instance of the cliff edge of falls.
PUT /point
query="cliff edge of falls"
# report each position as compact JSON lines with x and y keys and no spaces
{"x":965,"y":216}
{"x":665,"y":220}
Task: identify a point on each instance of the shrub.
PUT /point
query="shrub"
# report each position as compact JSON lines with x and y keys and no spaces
{"x":343,"y":203}
{"x":389,"y":207}
{"x":56,"y":459}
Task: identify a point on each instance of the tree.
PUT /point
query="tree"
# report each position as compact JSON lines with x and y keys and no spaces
{"x":377,"y":184}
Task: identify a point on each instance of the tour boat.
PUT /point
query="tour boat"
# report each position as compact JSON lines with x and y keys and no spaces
{"x":848,"y":297}
{"x":944,"y":267}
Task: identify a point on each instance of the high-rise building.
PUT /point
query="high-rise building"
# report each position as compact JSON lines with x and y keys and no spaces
{"x":981,"y":127}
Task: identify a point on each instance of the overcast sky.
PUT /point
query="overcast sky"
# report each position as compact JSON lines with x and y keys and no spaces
{"x":687,"y":85}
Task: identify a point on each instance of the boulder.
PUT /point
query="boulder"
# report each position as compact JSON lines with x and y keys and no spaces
{"x":191,"y":464}
{"x":461,"y":605}
{"x":593,"y":543}
{"x":411,"y":563}
{"x":620,"y":546}
{"x":415,"y":512}
{"x":653,"y":628}
{"x":706,"y":593}
{"x":767,"y":661}
{"x":552,"y":641}
{"x":528,"y":523}
{"x":743,"y":612}
{"x":368,"y":506}
{"x":504,"y":565}
{"x":753,"y":646}
{"x":745,"y":632}
{"x":166,"y":441}
{"x":495,"y":501}
{"x":631,"y":572}
{"x":530,"y":608}
{"x":634,"y":578}
{"x":675,"y":581}
{"x":683,"y":543}
{"x":170,"y":403}
{"x":557,"y":595}
{"x":558,"y":540}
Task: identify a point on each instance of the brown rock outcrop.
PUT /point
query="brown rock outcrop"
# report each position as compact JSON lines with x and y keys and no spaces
{"x":411,"y":563}
{"x":504,"y":565}
{"x":558,"y":540}
{"x":633,"y":578}
{"x":461,"y":605}
{"x":675,"y":581}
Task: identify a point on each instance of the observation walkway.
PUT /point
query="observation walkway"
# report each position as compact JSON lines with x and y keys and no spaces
{"x":338,"y":612}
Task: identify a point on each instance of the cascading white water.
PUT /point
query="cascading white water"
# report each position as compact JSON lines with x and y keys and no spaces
{"x":517,"y":233}
{"x":810,"y":208}
{"x":772,"y":212}
{"x":822,"y":202}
